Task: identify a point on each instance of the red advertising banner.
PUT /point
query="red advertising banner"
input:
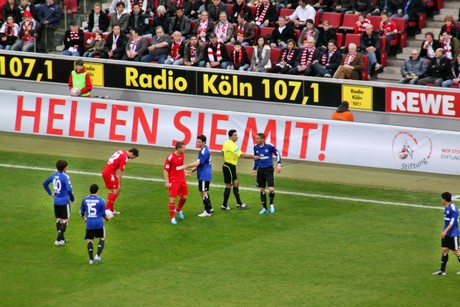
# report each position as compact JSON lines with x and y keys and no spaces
{"x":433,"y":101}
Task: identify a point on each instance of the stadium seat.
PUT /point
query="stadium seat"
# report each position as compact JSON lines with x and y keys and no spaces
{"x":297,"y":35}
{"x":317,"y":18}
{"x":375,"y":21}
{"x":419,"y":24}
{"x":249,"y":52}
{"x":275,"y":53}
{"x":266,"y":31}
{"x":229,"y":9}
{"x":364,"y":73}
{"x":383,"y":53}
{"x":339,"y":39}
{"x":352,"y":38}
{"x":286,"y":12}
{"x":335,"y":19}
{"x":348,"y":23}
{"x":401,"y":38}
{"x":253,"y":11}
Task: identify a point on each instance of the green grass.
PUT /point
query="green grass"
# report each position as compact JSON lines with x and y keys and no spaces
{"x":314,"y":251}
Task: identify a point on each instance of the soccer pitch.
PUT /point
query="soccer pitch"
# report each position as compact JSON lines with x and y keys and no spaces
{"x":368,"y":239}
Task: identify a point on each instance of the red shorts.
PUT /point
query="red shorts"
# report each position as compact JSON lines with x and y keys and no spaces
{"x":178,"y":189}
{"x":111,"y":180}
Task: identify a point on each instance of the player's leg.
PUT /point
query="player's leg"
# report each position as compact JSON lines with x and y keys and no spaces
{"x":203,"y":187}
{"x":183,"y":192}
{"x":228,"y":184}
{"x":100,"y":233}
{"x":445,"y":256}
{"x":62,"y":213}
{"x":111,"y":183}
{"x":262,"y":184}
{"x":173,"y":193}
{"x":89,"y":247}
{"x":270,"y":177}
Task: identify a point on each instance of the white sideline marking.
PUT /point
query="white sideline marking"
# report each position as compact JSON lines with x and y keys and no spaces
{"x":361,"y":200}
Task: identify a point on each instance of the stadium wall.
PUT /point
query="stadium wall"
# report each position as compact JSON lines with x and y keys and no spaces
{"x":298,"y":138}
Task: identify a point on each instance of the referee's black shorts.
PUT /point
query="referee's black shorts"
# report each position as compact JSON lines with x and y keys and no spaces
{"x":229,"y":171}
{"x":265,"y":176}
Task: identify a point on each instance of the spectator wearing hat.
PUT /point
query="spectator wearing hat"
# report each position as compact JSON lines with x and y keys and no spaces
{"x":343,"y":113}
{"x":27,"y":30}
{"x":79,"y":81}
{"x":216,"y":55}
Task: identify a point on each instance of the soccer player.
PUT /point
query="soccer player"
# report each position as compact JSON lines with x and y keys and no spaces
{"x":113,"y":172}
{"x":63,"y":197}
{"x":174,"y":174}
{"x":264,"y":170}
{"x":231,"y":153}
{"x":450,"y":234}
{"x":92,"y":211}
{"x":204,"y":173}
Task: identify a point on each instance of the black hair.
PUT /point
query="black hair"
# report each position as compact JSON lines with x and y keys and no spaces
{"x":134,"y":151}
{"x":93,"y":188}
{"x":61,"y":165}
{"x":202,"y":138}
{"x":446,"y":196}
{"x":230,"y":132}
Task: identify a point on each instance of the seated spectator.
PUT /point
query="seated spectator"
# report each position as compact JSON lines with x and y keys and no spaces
{"x":95,"y":46}
{"x":114,"y":6}
{"x":136,"y":46}
{"x":388,"y":29}
{"x":302,"y":13}
{"x":215,"y":8}
{"x":279,"y":4}
{"x":341,"y":6}
{"x":413,"y":69}
{"x":97,"y":19}
{"x":223,"y":29}
{"x":153,"y":5}
{"x":238,"y":58}
{"x":49,"y":16}
{"x":365,"y":7}
{"x":159,"y":47}
{"x":329,"y":61}
{"x":305,"y":58}
{"x":287,"y":59}
{"x":370,"y":46}
{"x":115,"y":44}
{"x":429,"y":46}
{"x":260,"y":61}
{"x":197,"y":8}
{"x":392,"y":6}
{"x":438,"y":69}
{"x":361,"y":24}
{"x":266,"y":14}
{"x":245,"y":32}
{"x":180,"y":23}
{"x":11,"y":8}
{"x":176,"y":53}
{"x":216,"y":55}
{"x":161,"y":19}
{"x":120,"y":17}
{"x":73,"y":41}
{"x":282,"y":34}
{"x":9,"y":33}
{"x":351,"y":65}
{"x":450,"y":45}
{"x":25,"y":6}
{"x":138,"y":20}
{"x":454,"y":78}
{"x":308,"y":31}
{"x":204,"y":28}
{"x":194,"y":52}
{"x":343,"y":113}
{"x":409,"y":10}
{"x":450,"y":27}
{"x":326,"y":33}
{"x":240,"y":7}
{"x":26,"y":36}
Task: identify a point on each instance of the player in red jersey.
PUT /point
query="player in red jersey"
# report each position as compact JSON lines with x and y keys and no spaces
{"x":174,"y":174}
{"x":112,"y":173}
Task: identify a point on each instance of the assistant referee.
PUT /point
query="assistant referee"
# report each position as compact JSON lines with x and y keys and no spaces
{"x":231,"y":153}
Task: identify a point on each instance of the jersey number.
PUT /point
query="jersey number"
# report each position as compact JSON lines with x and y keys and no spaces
{"x":92,"y":212}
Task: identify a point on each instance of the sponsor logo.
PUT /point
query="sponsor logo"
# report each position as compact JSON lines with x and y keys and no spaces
{"x":411,"y":153}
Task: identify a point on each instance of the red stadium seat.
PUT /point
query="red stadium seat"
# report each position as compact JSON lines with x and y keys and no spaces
{"x":297,"y":34}
{"x":364,"y":73}
{"x":383,"y":53}
{"x":348,"y":23}
{"x":266,"y":31}
{"x":401,"y":38}
{"x":335,"y":19}
{"x":352,"y":38}
{"x":249,"y":52}
{"x":339,"y":39}
{"x":317,"y":18}
{"x":275,"y":53}
{"x":253,"y":11}
{"x":229,"y":9}
{"x":286,"y":12}
{"x":375,"y":21}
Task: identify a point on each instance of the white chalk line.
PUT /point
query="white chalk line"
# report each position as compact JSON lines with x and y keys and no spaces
{"x":309,"y":195}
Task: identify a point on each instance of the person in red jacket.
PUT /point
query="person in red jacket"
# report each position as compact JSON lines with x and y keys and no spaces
{"x":79,"y":81}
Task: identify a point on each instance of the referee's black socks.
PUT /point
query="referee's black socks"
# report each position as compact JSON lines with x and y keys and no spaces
{"x":226,"y":196}
{"x":236,"y":192}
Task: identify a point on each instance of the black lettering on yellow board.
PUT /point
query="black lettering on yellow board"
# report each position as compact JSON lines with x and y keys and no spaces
{"x":359,"y":97}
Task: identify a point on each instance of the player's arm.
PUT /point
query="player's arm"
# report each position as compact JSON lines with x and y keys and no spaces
{"x":449,"y":227}
{"x":247,"y":156}
{"x":255,"y":165}
{"x":166,"y":176}
{"x":83,"y":211}
{"x":193,"y":165}
{"x":119,"y":175}
{"x":46,"y":184}
{"x":278,"y":159}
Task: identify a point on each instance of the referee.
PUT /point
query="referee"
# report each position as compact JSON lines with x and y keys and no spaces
{"x":263,"y":168}
{"x":231,"y":153}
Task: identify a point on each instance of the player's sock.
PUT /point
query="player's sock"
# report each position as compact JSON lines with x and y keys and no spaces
{"x":271,"y":195}
{"x":100,"y":247}
{"x":226,"y":196}
{"x":207,"y":204}
{"x":236,"y":192}
{"x":263,"y":199}
{"x":458,"y":257}
{"x":172,"y":208}
{"x":444,"y":259}
{"x":90,"y":250}
{"x":111,"y":201}
{"x":63,"y":228}
{"x":181,"y":204}
{"x":57,"y":225}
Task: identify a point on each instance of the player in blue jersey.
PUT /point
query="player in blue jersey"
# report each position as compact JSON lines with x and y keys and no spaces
{"x":450,"y":234}
{"x":263,"y":169}
{"x":203,"y":168}
{"x":92,"y":211}
{"x":63,"y":197}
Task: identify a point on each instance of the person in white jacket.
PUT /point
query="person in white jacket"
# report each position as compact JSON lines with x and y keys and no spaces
{"x":260,"y":61}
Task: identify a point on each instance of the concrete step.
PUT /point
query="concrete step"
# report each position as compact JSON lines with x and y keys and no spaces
{"x":414,"y":43}
{"x":451,"y":5}
{"x":449,"y":11}
{"x":421,"y":36}
{"x":434,"y":24}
